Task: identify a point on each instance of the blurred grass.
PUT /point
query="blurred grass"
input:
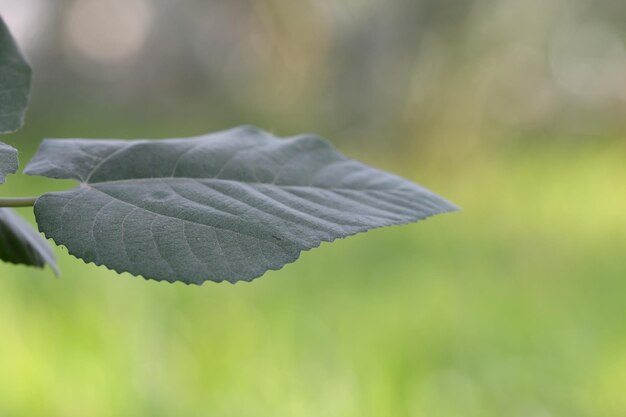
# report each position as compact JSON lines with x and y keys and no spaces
{"x":512,"y":307}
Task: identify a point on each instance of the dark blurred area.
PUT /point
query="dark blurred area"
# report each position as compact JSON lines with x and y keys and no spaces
{"x":376,"y":73}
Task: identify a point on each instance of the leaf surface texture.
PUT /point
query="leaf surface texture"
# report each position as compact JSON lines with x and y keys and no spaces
{"x":15,"y":75}
{"x":8,"y":161}
{"x":224,"y":206}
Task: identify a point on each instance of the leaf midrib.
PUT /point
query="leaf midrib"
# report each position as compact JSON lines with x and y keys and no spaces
{"x":269,"y":184}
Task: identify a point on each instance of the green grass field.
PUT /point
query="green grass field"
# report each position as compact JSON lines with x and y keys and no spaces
{"x":513,"y":307}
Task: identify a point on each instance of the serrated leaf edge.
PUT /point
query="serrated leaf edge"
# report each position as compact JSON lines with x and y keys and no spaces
{"x":451,"y":208}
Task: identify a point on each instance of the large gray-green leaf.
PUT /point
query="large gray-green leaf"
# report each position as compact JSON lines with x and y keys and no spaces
{"x":14,"y":82}
{"x":21,"y":244}
{"x":8,"y":161}
{"x":224,"y":206}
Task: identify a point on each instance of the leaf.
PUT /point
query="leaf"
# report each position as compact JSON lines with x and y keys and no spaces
{"x":15,"y":74}
{"x":21,"y":244}
{"x":8,"y":161}
{"x":224,"y":206}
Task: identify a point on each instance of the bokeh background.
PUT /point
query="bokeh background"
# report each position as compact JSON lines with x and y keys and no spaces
{"x":516,"y":306}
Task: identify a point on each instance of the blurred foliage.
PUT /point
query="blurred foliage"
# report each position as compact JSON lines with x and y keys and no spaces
{"x":426,"y":72}
{"x":514,"y":306}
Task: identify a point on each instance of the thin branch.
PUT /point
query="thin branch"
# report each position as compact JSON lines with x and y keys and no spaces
{"x":18,"y":201}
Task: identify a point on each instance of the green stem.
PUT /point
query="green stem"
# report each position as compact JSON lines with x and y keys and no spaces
{"x":18,"y":201}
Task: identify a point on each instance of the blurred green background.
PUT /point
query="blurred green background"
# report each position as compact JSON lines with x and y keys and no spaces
{"x":514,"y":110}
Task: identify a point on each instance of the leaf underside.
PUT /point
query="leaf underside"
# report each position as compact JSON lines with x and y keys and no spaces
{"x":224,"y":206}
{"x":21,"y":244}
{"x":15,"y":75}
{"x":8,"y":161}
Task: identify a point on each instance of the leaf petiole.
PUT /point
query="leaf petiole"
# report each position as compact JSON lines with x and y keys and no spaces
{"x":18,"y":201}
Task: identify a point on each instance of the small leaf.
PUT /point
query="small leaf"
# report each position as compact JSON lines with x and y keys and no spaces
{"x":8,"y":161}
{"x":15,"y":74}
{"x":225,"y":206}
{"x":21,"y":244}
